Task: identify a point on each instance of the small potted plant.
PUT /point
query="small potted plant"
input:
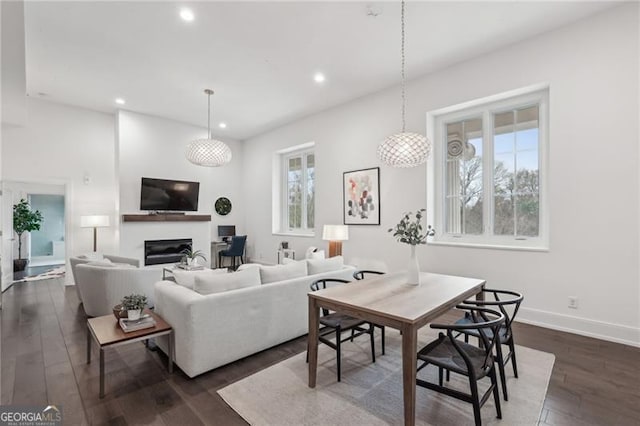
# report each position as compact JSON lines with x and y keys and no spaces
{"x":191,"y":256}
{"x":134,"y":304}
{"x":410,"y":231}
{"x":24,"y":220}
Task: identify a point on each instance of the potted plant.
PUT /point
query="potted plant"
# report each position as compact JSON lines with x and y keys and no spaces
{"x":410,"y":231}
{"x":24,"y":220}
{"x":190,"y":256}
{"x":134,"y":304}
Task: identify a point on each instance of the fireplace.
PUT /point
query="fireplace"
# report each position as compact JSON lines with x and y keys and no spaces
{"x":157,"y":252}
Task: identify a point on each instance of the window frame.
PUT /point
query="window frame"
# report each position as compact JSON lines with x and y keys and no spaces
{"x":281,"y":224}
{"x":486,"y":108}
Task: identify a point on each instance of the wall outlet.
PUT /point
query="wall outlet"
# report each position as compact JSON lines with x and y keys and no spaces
{"x":573,"y":302}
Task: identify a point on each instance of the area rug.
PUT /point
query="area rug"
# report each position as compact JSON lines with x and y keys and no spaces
{"x":371,"y":394}
{"x":53,"y":273}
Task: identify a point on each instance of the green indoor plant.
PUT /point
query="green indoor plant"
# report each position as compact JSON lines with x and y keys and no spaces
{"x":411,"y":231}
{"x":190,"y":256}
{"x":24,"y":220}
{"x":134,"y":304}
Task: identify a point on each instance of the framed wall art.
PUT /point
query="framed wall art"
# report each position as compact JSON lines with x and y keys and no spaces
{"x":361,"y":195}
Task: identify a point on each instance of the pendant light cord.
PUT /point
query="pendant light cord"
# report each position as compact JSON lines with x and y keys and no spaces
{"x":402,"y":63}
{"x":208,"y":115}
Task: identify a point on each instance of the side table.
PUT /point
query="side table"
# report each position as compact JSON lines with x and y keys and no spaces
{"x":107,"y":333}
{"x":286,"y":254}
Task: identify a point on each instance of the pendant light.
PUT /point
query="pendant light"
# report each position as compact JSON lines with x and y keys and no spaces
{"x":208,"y":152}
{"x":404,"y":149}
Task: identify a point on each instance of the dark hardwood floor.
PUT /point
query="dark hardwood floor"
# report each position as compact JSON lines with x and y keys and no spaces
{"x":43,"y":356}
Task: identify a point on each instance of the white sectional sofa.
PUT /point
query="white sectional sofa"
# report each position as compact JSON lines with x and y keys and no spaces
{"x":215,"y":329}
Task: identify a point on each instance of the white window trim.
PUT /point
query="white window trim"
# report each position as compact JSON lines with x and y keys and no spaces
{"x":279,"y":191}
{"x":435,"y":168}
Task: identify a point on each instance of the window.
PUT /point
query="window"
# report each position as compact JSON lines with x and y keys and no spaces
{"x":297,"y":190}
{"x":488,"y":171}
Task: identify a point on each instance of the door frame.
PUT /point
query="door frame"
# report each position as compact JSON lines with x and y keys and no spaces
{"x":69,"y":235}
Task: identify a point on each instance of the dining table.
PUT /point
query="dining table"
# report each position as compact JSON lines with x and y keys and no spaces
{"x":388,"y":300}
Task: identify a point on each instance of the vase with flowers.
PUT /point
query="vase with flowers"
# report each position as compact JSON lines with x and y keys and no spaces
{"x":411,"y":231}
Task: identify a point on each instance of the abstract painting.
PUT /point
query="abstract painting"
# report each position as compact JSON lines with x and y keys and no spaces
{"x":361,"y":189}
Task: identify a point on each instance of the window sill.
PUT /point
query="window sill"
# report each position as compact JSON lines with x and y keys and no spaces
{"x":490,"y":246}
{"x":295,"y":234}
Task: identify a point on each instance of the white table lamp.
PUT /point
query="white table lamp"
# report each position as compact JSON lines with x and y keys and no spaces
{"x":95,"y":222}
{"x":335,"y":234}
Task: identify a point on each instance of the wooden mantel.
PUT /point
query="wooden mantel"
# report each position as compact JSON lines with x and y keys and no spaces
{"x":166,"y":218}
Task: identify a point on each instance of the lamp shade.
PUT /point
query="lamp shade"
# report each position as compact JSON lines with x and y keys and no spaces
{"x":404,"y":150}
{"x":208,"y":153}
{"x":335,"y":233}
{"x":94,"y":221}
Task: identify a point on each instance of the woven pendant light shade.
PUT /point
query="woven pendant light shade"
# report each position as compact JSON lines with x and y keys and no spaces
{"x":404,"y":150}
{"x":208,"y":153}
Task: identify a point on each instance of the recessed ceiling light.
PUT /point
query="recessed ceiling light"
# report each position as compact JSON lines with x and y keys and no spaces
{"x":319,"y":77}
{"x":222,"y":125}
{"x":120,"y":101}
{"x":187,"y":14}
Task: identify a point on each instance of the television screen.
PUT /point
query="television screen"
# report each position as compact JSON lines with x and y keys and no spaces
{"x":169,"y":195}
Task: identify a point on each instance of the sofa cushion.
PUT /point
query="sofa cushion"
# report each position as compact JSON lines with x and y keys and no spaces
{"x":218,"y":283}
{"x":318,"y":266}
{"x":188,"y":278}
{"x":101,"y":262}
{"x":271,"y":274}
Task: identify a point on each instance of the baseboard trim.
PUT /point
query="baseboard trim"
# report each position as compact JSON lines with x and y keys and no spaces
{"x":585,"y":327}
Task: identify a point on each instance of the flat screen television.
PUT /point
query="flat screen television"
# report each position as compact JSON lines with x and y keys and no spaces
{"x":169,"y":195}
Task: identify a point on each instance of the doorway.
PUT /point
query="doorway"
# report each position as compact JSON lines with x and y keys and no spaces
{"x":45,"y":249}
{"x":46,"y":245}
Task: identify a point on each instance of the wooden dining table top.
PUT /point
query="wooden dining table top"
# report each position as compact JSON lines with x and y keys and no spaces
{"x":391,"y":297}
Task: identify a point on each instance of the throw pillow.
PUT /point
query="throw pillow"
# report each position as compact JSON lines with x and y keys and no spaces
{"x":318,"y":266}
{"x":218,"y":283}
{"x":247,"y":266}
{"x":188,"y":278}
{"x":271,"y":274}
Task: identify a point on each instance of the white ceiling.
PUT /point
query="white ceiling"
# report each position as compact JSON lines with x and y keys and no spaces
{"x":259,"y":57}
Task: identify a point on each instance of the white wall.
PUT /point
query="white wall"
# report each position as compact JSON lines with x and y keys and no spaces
{"x":154,"y":147}
{"x":64,"y":145}
{"x":13,"y":87}
{"x":592,"y":69}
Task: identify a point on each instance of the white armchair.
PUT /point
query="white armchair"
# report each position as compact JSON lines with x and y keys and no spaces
{"x":82,"y":260}
{"x":103,"y":287}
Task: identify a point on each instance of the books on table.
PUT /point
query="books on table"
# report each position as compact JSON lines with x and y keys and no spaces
{"x":128,"y":325}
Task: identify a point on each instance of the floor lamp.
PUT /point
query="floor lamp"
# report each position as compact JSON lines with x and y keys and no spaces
{"x":95,"y":222}
{"x":335,"y":234}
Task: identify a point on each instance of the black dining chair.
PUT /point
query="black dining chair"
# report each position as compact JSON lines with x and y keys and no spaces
{"x":508,"y":302}
{"x":235,"y":250}
{"x":360,"y":275}
{"x":452,"y":355}
{"x":335,"y":322}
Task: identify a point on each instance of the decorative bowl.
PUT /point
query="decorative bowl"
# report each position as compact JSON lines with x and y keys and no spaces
{"x":118,"y":312}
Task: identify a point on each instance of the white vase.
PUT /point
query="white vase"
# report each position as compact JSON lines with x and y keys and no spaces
{"x":413,"y":268}
{"x":134,"y":314}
